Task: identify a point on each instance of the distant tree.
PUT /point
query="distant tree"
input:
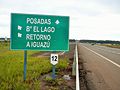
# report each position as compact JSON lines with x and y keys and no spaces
{"x":100,"y":41}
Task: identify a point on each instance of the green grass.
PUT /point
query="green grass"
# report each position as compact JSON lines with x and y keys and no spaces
{"x":11,"y":69}
{"x":112,"y":45}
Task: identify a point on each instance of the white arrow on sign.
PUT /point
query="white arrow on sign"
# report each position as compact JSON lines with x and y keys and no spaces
{"x":54,"y":59}
{"x":19,"y":35}
{"x":19,"y":27}
{"x":57,"y":22}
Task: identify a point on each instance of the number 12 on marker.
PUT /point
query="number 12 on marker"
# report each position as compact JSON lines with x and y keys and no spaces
{"x":54,"y":59}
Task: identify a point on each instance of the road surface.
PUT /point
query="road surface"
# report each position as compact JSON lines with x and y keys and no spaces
{"x":103,"y":66}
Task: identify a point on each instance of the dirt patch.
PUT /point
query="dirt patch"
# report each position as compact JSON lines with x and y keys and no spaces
{"x":47,"y":83}
{"x":41,"y":54}
{"x":60,"y":83}
{"x":61,"y":54}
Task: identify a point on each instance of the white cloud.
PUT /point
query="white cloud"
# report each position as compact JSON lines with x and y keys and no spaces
{"x":100,"y":27}
{"x":4,"y":32}
{"x":89,"y":19}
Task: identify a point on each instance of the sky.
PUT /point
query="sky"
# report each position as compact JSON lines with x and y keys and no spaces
{"x":89,"y":19}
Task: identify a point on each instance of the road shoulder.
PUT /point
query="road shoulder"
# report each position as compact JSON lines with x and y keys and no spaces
{"x":95,"y":80}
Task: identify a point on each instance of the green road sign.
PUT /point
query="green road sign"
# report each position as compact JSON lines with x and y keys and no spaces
{"x":39,"y":32}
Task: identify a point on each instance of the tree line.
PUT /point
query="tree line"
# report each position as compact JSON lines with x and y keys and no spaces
{"x":100,"y":41}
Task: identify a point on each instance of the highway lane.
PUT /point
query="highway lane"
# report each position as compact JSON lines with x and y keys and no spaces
{"x":103,"y":64}
{"x":110,"y":53}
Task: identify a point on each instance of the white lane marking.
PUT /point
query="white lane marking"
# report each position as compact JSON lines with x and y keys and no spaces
{"x":103,"y":57}
{"x":62,"y":53}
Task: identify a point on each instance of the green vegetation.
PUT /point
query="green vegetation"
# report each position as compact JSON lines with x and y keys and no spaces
{"x":108,"y":43}
{"x":55,"y":82}
{"x":11,"y":69}
{"x":100,"y":41}
{"x":112,"y":45}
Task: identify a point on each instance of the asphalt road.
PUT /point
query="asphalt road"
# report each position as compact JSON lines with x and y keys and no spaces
{"x":103,"y":66}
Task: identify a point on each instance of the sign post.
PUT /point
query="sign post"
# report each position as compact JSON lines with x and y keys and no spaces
{"x":53,"y":61}
{"x":53,"y":72}
{"x":39,"y":32}
{"x":25,"y":64}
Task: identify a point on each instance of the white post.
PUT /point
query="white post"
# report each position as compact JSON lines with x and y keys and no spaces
{"x":77,"y":70}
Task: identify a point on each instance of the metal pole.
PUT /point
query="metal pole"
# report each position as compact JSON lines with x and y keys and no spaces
{"x":53,"y":72}
{"x":25,"y":64}
{"x":77,"y":70}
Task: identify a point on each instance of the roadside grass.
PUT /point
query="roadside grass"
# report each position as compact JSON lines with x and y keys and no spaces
{"x":11,"y":69}
{"x":112,"y":45}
